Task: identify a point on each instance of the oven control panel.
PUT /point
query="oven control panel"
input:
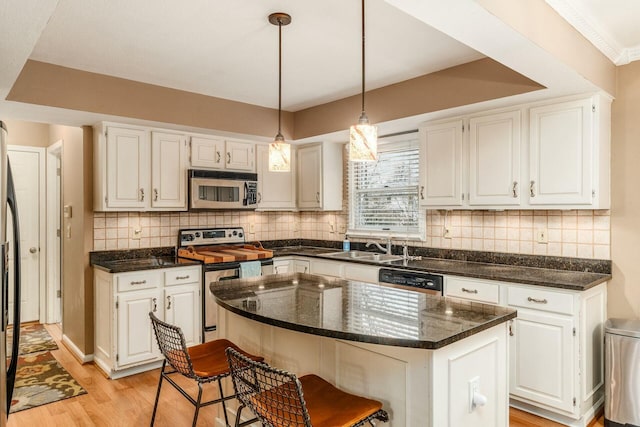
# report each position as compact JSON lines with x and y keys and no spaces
{"x":210,"y":236}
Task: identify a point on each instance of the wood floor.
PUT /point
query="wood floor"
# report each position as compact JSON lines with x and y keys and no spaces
{"x":129,"y":402}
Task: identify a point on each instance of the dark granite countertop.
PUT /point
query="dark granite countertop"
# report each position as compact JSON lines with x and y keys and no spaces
{"x":137,"y":259}
{"x":554,"y":278}
{"x":357,"y":311}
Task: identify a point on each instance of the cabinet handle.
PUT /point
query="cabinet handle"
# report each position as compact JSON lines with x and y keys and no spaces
{"x":155,"y":304}
{"x":537,"y":301}
{"x":142,"y":194}
{"x":277,"y":269}
{"x":470,"y":291}
{"x":169,"y":302}
{"x":532,"y":189}
{"x":510,"y":328}
{"x":228,"y":157}
{"x":138,"y":282}
{"x":155,"y":194}
{"x":318,"y":197}
{"x":422,"y":192}
{"x":259,"y":197}
{"x":218,"y":157}
{"x":182,"y":277}
{"x":514,"y":189}
{"x":305,"y":269}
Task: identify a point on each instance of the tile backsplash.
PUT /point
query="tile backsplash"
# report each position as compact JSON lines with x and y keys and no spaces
{"x":582,"y":234}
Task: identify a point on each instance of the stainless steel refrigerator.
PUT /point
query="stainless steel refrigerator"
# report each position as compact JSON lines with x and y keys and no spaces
{"x":8,"y":358}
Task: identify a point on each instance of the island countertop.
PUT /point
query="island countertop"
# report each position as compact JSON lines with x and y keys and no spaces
{"x":357,"y":311}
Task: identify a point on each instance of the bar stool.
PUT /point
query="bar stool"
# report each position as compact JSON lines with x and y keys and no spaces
{"x":278,"y":398}
{"x":203,"y":363}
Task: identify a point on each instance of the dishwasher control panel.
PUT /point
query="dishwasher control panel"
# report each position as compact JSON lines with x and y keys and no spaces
{"x":412,"y":279}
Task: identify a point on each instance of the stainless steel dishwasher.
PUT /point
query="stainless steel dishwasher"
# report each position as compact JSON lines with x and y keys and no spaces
{"x":622,"y":373}
{"x":413,"y":280}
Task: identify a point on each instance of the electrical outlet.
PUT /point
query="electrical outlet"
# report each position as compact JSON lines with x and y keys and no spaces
{"x":136,"y":233}
{"x":541,"y":235}
{"x":332,"y":227}
{"x":446,"y":233}
{"x":252,"y":228}
{"x":342,"y":229}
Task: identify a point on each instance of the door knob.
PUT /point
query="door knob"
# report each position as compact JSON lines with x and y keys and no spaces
{"x":33,"y":249}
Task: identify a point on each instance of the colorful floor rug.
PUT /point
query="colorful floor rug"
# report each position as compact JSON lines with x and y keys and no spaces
{"x":40,"y":379}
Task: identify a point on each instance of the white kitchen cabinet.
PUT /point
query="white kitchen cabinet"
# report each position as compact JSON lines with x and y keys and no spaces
{"x":125,"y":343}
{"x":137,"y":169}
{"x":326,"y":268}
{"x":320,"y":176}
{"x":168,"y":170}
{"x":127,"y":168}
{"x":441,"y":164}
{"x":211,"y":152}
{"x":494,"y":159}
{"x":567,"y":149}
{"x":360,"y":272}
{"x":282,"y":265}
{"x":276,"y":190}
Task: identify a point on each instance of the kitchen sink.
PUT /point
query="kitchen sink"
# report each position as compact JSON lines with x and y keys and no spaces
{"x":363,"y":256}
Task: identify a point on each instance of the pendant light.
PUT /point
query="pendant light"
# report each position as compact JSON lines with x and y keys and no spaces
{"x":363,"y":137}
{"x":279,"y":150}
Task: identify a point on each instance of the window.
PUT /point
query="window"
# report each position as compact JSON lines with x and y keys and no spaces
{"x":383,"y":195}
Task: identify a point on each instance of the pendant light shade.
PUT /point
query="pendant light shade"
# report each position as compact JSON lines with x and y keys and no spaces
{"x":363,"y":137}
{"x":279,"y":150}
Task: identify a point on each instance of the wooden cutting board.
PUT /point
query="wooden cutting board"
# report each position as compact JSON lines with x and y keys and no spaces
{"x":208,"y":257}
{"x":241,"y":255}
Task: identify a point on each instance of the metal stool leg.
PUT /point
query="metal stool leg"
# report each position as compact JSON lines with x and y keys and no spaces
{"x":155,"y":405}
{"x":240,"y":408}
{"x":195,"y":415}
{"x":224,"y":405}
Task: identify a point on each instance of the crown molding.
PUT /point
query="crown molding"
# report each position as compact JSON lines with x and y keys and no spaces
{"x":576,"y":15}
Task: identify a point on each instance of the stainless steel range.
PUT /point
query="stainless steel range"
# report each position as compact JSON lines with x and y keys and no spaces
{"x":222,"y":252}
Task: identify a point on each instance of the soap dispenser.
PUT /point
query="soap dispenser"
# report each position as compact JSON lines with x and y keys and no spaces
{"x":346,"y":244}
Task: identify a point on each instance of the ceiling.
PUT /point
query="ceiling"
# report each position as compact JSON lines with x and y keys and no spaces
{"x":228,"y":49}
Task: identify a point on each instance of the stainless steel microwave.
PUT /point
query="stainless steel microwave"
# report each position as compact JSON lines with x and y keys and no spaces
{"x":222,"y":190}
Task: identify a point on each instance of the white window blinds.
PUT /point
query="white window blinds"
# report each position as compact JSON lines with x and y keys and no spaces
{"x":383,"y":195}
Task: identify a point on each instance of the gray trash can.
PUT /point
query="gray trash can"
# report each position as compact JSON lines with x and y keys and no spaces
{"x":622,"y":373}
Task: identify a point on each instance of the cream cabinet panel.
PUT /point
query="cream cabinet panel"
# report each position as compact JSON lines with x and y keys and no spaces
{"x":494,"y":159}
{"x":127,"y":168}
{"x":168,"y":170}
{"x":360,"y":272}
{"x":240,"y":155}
{"x":207,"y":152}
{"x":282,"y":266}
{"x":301,"y":266}
{"x":182,"y":307}
{"x":276,"y":190}
{"x":561,"y":150}
{"x":320,"y":176}
{"x":441,"y":164}
{"x":136,"y":340}
{"x":542,"y":359}
{"x":327,"y":268}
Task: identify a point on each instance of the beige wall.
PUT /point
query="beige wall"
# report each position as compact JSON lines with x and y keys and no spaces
{"x":28,"y":133}
{"x":77,"y":283}
{"x":624,"y":289}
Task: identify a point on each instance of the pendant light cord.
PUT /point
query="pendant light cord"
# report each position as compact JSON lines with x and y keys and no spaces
{"x":279,"y":74}
{"x":363,"y":66}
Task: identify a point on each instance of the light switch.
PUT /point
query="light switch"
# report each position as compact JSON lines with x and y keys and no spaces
{"x":67,"y":211}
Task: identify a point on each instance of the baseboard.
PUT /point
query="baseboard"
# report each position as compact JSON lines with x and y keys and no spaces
{"x":584,"y":421}
{"x":75,"y":351}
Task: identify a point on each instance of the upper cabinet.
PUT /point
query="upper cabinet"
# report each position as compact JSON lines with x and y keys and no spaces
{"x":136,"y":170}
{"x":557,"y":157}
{"x":217,"y":153}
{"x":276,"y":190}
{"x":320,"y":176}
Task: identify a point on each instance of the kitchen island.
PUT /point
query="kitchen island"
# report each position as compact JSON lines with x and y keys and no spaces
{"x":427,"y":358}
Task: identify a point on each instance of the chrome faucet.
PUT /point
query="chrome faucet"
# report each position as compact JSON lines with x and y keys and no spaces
{"x":386,"y":250}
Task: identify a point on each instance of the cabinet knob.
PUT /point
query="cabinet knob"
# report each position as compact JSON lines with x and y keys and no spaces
{"x":470,"y":291}
{"x":33,"y":249}
{"x":259,"y":197}
{"x":155,"y":304}
{"x":537,"y":301}
{"x":422,"y":192}
{"x":510,"y":328}
{"x":318,"y":197}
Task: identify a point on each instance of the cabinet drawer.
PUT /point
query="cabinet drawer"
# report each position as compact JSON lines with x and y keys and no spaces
{"x":472,"y":289}
{"x":139,"y":280}
{"x":540,"y":299}
{"x":181,"y":276}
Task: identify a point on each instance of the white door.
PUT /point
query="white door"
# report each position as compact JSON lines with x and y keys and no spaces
{"x":494,"y":159}
{"x":168,"y":171}
{"x":27,"y":166}
{"x":441,"y":157}
{"x":182,"y":308}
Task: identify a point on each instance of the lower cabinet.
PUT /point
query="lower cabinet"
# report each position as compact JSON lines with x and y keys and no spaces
{"x":290,"y":265}
{"x":556,"y":345}
{"x":125,"y":343}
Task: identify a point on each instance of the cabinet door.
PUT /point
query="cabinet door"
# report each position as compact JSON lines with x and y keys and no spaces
{"x":182,"y":308}
{"x":561,"y":147}
{"x":542,"y":359}
{"x":136,"y":339}
{"x":326,"y":268}
{"x":494,"y":159}
{"x":282,"y":266}
{"x":276,"y":190}
{"x":310,"y":179}
{"x":300,"y":266}
{"x":128,"y":158}
{"x":240,"y":155}
{"x":207,"y":152}
{"x":441,"y":157}
{"x":168,"y":171}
